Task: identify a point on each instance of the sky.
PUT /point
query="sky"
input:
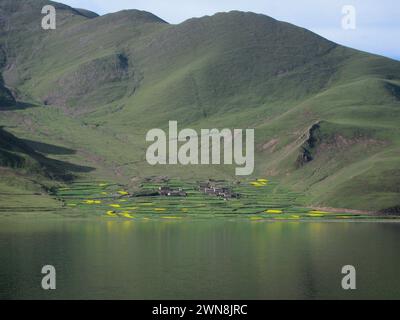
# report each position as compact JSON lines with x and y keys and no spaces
{"x":376,"y":28}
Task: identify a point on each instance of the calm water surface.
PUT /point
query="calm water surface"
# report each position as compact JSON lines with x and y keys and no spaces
{"x":197,"y":259}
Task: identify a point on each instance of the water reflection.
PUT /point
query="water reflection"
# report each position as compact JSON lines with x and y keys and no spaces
{"x":197,"y":259}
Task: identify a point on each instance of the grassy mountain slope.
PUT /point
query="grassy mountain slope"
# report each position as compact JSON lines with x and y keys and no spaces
{"x":27,"y":176}
{"x":326,"y":116}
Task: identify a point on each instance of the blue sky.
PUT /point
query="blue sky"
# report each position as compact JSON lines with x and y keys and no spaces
{"x":377,"y":21}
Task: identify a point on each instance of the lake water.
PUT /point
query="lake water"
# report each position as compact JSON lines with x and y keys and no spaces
{"x":197,"y":259}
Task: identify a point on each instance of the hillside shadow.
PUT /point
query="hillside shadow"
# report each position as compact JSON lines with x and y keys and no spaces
{"x":68,"y":166}
{"x":59,"y":167}
{"x":16,"y":149}
{"x":18,"y":106}
{"x":46,"y":148}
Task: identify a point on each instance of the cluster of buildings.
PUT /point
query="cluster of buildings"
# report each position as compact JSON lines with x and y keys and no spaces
{"x":214,"y":190}
{"x":169,"y":192}
{"x":210,"y":188}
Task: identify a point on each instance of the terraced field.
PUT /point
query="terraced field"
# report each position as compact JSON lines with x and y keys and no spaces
{"x":259,"y":200}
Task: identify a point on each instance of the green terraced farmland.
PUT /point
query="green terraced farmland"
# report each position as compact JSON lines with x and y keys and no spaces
{"x":258,"y":200}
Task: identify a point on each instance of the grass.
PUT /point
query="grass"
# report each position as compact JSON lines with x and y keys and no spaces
{"x":20,"y":195}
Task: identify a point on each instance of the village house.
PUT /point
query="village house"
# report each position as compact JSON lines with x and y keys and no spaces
{"x":214,"y":190}
{"x":167,"y":191}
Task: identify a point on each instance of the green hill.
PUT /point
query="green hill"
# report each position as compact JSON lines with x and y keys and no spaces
{"x":326,"y":116}
{"x":28,"y":176}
